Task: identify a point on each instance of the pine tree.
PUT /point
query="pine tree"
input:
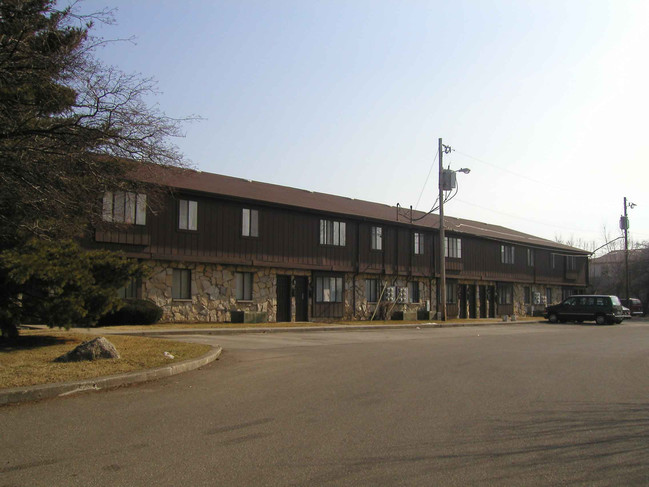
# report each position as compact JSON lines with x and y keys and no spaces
{"x":70,"y":128}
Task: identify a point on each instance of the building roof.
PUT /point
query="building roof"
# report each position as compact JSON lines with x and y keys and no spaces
{"x":216,"y":184}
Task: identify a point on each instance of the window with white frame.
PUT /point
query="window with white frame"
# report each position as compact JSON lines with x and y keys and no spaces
{"x":453,"y":247}
{"x":377,"y":238}
{"x":249,"y":222}
{"x":507,"y":254}
{"x":181,"y":284}
{"x":571,"y":263}
{"x":530,"y":257}
{"x":372,"y":290}
{"x":243,"y":281}
{"x":505,"y":293}
{"x":418,"y":243}
{"x":187,"y":215}
{"x":333,"y":233}
{"x":413,"y":292}
{"x":124,"y":207}
{"x":329,"y":289}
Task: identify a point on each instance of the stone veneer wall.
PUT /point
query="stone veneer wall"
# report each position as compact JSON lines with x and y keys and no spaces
{"x":213,"y":289}
{"x":365,"y":309}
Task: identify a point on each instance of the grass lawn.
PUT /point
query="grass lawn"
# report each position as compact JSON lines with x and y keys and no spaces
{"x":30,"y":360}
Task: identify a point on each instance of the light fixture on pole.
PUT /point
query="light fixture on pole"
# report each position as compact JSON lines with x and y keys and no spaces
{"x":446,"y":183}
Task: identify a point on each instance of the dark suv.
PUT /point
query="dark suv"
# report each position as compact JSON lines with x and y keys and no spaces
{"x":598,"y":308}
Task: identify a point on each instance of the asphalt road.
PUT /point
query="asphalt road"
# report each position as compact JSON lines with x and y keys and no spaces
{"x":497,"y":405}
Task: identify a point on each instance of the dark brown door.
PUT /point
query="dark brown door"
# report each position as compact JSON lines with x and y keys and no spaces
{"x":462,"y":291}
{"x":491,"y":297}
{"x":283,"y":298}
{"x":483,"y":301}
{"x":470,"y":291}
{"x":301,"y":298}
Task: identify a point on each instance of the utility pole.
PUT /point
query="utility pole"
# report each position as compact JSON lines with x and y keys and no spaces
{"x":626,"y":252}
{"x":624,"y":225}
{"x":442,"y":239}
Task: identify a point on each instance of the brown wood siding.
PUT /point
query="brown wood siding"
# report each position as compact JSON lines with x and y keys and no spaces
{"x":290,"y":238}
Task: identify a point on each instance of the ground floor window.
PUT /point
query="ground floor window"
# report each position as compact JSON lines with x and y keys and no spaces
{"x":129,"y":291}
{"x":527,"y":295}
{"x":181,"y":284}
{"x":329,"y":289}
{"x":548,"y":295}
{"x":413,"y":292}
{"x":505,"y":293}
{"x":244,"y":286}
{"x":372,"y":290}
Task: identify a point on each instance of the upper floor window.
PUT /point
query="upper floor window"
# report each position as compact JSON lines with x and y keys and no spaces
{"x":507,"y":254}
{"x":530,"y":257}
{"x":418,"y":242}
{"x":244,"y":286}
{"x":124,"y":207}
{"x":377,"y":238}
{"x":372,"y":290}
{"x":187,"y":215}
{"x":553,"y":260}
{"x":571,"y":263}
{"x":181,"y":286}
{"x":453,"y":247}
{"x":249,"y":223}
{"x":332,"y":233}
{"x":329,"y":289}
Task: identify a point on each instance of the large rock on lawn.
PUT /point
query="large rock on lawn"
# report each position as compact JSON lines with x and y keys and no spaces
{"x":90,"y":350}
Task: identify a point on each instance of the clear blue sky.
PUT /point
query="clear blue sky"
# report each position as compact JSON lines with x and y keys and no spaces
{"x":546,"y":101}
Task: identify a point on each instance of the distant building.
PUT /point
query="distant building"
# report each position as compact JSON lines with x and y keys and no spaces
{"x":609,"y":265}
{"x":223,"y":249}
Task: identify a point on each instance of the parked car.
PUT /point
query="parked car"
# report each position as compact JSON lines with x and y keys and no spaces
{"x":635,"y":305}
{"x":626,"y":313}
{"x":599,"y":308}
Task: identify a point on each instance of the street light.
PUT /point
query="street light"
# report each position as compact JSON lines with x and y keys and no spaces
{"x":446,"y":183}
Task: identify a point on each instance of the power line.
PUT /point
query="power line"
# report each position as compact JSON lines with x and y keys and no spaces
{"x":512,"y":172}
{"x":525,"y":218}
{"x":426,"y":182}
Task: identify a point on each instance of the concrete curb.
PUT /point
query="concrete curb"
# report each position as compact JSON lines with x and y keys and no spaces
{"x":302,"y":329}
{"x":44,"y":391}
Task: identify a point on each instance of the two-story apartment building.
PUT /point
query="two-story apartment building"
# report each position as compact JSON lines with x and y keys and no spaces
{"x":220,"y":248}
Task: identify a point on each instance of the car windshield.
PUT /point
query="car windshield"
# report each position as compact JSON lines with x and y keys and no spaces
{"x":616,"y":301}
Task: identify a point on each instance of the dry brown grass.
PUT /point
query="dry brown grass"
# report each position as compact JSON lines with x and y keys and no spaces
{"x":30,"y":361}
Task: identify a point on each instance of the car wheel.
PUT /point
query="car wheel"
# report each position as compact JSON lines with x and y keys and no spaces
{"x":600,"y":319}
{"x":553,"y":318}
